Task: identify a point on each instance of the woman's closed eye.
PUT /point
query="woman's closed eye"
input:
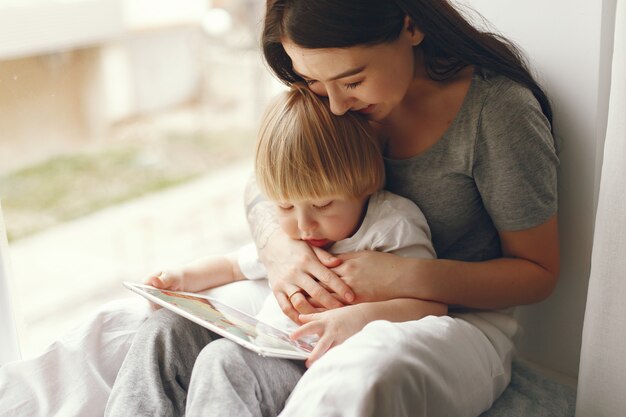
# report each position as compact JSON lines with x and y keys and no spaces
{"x":348,"y":86}
{"x":351,"y":86}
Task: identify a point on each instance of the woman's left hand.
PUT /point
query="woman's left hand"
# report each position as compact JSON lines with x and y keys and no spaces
{"x":375,"y":276}
{"x":332,"y":326}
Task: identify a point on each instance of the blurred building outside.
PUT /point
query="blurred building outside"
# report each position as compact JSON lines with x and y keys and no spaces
{"x":83,"y":75}
{"x":70,"y":71}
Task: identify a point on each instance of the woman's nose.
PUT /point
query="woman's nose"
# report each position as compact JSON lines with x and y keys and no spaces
{"x":339,"y":102}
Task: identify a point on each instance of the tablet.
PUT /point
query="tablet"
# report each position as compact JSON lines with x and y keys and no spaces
{"x":227,"y":321}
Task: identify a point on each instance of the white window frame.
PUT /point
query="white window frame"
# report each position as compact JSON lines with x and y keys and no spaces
{"x":9,"y":348}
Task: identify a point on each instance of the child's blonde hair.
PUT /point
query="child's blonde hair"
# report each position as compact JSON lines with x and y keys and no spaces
{"x":306,"y":152}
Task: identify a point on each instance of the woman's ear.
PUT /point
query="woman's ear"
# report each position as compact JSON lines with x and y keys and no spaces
{"x":415,"y":35}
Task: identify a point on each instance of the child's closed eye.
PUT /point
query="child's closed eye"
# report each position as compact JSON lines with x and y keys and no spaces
{"x":324,"y":205}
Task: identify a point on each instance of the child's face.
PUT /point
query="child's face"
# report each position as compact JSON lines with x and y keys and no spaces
{"x":321,"y":222}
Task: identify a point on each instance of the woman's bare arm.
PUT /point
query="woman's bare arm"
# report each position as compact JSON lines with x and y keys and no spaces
{"x":260,"y":213}
{"x":526,"y":273}
{"x":292,"y":266}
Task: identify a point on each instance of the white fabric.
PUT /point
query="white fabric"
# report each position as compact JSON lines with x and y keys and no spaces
{"x":249,"y":264}
{"x":435,"y":367}
{"x":602,"y":376}
{"x":391,"y":224}
{"x":246,"y":296}
{"x":74,"y":376}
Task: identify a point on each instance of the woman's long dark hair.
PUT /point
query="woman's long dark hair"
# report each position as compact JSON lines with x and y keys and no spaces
{"x":450,"y":42}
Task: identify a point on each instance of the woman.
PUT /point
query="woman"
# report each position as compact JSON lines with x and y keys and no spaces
{"x":468,"y":138}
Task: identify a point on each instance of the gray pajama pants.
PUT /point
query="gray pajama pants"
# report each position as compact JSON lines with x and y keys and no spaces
{"x":434,"y":367}
{"x":176,"y":368}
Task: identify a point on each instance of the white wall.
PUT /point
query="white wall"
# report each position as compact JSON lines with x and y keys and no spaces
{"x":38,"y":28}
{"x":568,"y":43}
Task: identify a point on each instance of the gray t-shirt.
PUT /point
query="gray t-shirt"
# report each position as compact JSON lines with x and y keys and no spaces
{"x":494,"y":169}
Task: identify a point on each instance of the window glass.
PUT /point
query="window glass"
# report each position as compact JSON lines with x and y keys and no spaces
{"x":124,"y":148}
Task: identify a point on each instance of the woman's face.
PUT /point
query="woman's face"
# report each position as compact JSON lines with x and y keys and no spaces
{"x":372,"y":80}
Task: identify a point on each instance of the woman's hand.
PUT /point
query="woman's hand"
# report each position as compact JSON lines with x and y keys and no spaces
{"x":376,"y":276}
{"x":332,"y":326}
{"x":297,"y":271}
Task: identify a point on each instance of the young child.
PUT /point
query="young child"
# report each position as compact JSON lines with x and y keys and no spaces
{"x":324,"y":173}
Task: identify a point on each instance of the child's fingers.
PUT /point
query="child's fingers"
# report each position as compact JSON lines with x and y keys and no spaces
{"x":319,"y":350}
{"x":307,"y":329}
{"x":307,"y":318}
{"x":167,"y":281}
{"x":152,"y":277}
{"x":154,"y":281}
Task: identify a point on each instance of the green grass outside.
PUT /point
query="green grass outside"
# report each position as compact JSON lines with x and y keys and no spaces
{"x":70,"y":186}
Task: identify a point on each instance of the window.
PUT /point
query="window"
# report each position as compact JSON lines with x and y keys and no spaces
{"x":124,"y":148}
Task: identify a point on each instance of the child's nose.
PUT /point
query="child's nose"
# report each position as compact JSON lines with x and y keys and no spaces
{"x":306,"y":223}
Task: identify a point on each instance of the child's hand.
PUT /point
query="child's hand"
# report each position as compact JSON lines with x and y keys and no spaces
{"x":169,"y":279}
{"x":332,"y":326}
